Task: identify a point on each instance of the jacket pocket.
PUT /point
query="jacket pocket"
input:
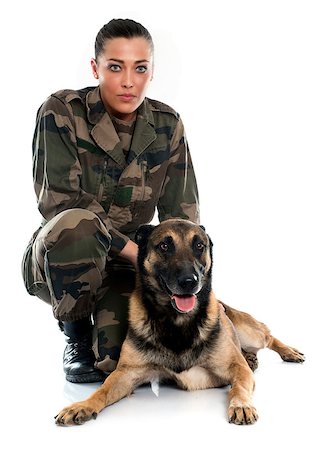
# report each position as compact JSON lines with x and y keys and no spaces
{"x":145,"y":199}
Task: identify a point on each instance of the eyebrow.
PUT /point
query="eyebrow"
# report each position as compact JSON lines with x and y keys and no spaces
{"x":122,"y":62}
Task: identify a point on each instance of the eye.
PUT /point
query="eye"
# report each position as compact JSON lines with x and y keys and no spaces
{"x":200,"y":246}
{"x":164,"y":247}
{"x":141,"y":69}
{"x":114,"y":67}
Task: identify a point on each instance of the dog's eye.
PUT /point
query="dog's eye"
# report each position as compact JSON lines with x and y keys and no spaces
{"x":200,"y":246}
{"x":164,"y":247}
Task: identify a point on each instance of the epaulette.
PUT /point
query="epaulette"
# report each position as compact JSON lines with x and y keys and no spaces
{"x":67,"y":95}
{"x":162,"y":107}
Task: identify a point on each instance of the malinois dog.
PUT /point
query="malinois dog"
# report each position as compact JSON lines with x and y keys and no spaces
{"x":179,"y":331}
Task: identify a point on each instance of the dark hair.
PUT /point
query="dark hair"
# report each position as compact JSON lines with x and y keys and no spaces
{"x":120,"y":28}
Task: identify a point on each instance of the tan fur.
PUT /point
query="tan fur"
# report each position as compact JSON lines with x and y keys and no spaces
{"x":220,"y":365}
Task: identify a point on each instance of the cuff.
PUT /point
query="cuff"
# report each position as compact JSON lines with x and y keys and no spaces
{"x":118,"y":242}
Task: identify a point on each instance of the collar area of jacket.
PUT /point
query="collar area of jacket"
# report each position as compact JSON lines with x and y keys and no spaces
{"x":103,"y":131}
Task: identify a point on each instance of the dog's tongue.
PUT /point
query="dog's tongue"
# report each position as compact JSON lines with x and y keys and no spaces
{"x":184,"y":303}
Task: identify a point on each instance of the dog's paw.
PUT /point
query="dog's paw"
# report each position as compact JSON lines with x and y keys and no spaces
{"x":75,"y":414}
{"x":291,"y":354}
{"x":251,"y":359}
{"x":242,"y":415}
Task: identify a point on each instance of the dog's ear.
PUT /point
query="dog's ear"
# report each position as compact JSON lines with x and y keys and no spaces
{"x":143,"y":234}
{"x":204,"y":229}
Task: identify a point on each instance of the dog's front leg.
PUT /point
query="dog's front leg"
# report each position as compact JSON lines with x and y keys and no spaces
{"x":118,"y":384}
{"x":241,"y":411}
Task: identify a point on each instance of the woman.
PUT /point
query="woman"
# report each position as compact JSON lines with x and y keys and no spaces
{"x":105,"y":158}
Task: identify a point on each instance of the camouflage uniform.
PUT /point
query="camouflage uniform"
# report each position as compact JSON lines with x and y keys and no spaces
{"x":93,"y":192}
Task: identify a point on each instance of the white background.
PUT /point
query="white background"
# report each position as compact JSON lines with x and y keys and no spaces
{"x":241,"y":74}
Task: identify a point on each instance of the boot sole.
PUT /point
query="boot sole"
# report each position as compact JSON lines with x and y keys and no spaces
{"x":86,"y":378}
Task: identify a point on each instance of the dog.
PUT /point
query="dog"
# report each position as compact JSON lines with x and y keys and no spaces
{"x":179,"y":331}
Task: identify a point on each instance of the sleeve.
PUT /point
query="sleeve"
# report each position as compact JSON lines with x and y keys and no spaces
{"x":179,"y":195}
{"x":57,"y":170}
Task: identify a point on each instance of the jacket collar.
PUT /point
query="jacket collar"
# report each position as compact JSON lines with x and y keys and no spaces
{"x":104,"y":132}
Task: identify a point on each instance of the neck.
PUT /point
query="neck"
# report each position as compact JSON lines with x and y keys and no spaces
{"x":126,"y":117}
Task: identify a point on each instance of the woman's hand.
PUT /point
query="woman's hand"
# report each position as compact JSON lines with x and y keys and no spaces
{"x":130,"y":252}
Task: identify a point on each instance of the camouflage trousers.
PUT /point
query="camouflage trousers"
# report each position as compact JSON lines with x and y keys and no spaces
{"x":66,"y":264}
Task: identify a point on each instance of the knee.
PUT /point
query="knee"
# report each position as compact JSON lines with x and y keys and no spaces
{"x":72,"y":226}
{"x":71,"y":219}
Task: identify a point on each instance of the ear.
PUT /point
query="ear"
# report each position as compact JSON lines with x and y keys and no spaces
{"x":204,"y":229}
{"x":143,"y":234}
{"x":210,"y":242}
{"x":94,"y":68}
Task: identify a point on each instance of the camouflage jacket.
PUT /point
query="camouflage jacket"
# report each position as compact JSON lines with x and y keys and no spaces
{"x":78,"y":162}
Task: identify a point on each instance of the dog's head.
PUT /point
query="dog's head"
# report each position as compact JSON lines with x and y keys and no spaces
{"x":175,"y":261}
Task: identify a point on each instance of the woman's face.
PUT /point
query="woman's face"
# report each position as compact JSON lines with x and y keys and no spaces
{"x":124,"y":71}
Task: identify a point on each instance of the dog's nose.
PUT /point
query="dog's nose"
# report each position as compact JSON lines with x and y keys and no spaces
{"x":188,"y":282}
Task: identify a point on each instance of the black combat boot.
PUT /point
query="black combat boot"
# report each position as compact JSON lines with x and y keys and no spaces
{"x":78,"y":357}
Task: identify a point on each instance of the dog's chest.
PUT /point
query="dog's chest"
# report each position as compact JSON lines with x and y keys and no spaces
{"x":177,"y":363}
{"x":172,"y":346}
{"x":178,"y":338}
{"x":195,"y":378}
{"x":169,"y":358}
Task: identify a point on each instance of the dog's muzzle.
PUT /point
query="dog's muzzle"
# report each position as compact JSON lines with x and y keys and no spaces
{"x":184,"y":298}
{"x":182,"y":289}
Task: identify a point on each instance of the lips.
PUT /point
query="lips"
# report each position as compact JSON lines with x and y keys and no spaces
{"x":126,"y":97}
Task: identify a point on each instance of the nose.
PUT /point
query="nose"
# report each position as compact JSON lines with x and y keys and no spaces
{"x":188,"y":282}
{"x":127,"y":81}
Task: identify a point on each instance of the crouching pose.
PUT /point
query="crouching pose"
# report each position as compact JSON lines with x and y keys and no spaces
{"x":105,"y":158}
